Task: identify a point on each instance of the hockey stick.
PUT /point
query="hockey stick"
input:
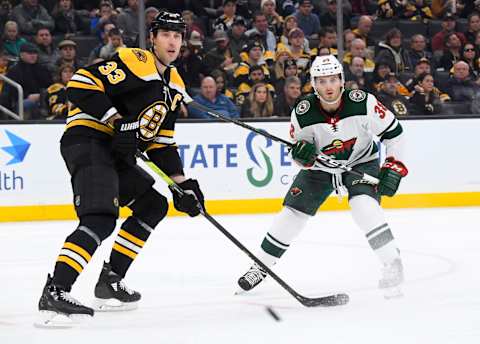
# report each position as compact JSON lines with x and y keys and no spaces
{"x":320,"y":158}
{"x":330,"y":300}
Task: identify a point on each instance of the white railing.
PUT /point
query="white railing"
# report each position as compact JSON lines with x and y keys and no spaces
{"x":19,"y":88}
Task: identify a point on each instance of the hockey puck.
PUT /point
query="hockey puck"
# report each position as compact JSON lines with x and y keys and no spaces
{"x":272,"y":313}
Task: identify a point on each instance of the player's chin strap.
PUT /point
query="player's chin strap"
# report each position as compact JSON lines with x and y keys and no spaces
{"x":329,"y":300}
{"x":320,"y":158}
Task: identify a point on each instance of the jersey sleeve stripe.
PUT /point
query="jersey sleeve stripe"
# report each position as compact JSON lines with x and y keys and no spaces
{"x":81,"y":85}
{"x":92,"y":124}
{"x":156,"y":146}
{"x":398,"y":130}
{"x":167,"y":133}
{"x":84,"y":79}
{"x":110,"y":113}
{"x":388,"y":127}
{"x":89,"y":75}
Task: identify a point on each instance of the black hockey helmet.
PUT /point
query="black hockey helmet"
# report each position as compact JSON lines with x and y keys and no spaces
{"x":168,"y":21}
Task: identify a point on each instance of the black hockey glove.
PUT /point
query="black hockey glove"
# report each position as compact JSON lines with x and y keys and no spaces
{"x":390,"y":175}
{"x":190,"y":201}
{"x":124,"y":142}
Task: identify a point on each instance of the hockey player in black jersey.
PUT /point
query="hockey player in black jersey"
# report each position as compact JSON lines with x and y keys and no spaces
{"x":116,"y":107}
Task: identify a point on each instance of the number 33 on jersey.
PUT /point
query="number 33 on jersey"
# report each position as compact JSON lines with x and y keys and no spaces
{"x":129,"y":84}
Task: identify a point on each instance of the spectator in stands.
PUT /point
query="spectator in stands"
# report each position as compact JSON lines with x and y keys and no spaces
{"x":275,"y":21}
{"x":150,"y":14}
{"x":30,"y":16}
{"x":47,"y":52}
{"x":356,"y":72}
{"x":392,"y":52}
{"x":210,"y":98}
{"x":237,"y":37}
{"x":288,"y":95}
{"x":68,"y":20}
{"x":289,"y":68}
{"x":470,"y":56}
{"x":221,"y":57}
{"x":105,"y":15}
{"x":191,"y":65}
{"x":255,"y":58}
{"x":448,"y":26}
{"x":386,"y":9}
{"x":3,"y":67}
{"x":259,"y":102}
{"x":115,"y":42}
{"x":307,"y":21}
{"x":33,"y":77}
{"x":461,"y":87}
{"x":327,"y":38}
{"x":256,"y":74}
{"x":225,"y":21}
{"x":68,"y":54}
{"x":220,"y":78}
{"x":11,"y":41}
{"x":296,"y":48}
{"x":6,"y":13}
{"x":348,"y":37}
{"x":380,"y":73}
{"x":452,"y":52}
{"x":127,"y":22}
{"x":442,"y":8}
{"x":423,"y":66}
{"x":362,"y":7}
{"x":286,"y":7}
{"x":260,"y":28}
{"x":358,"y":48}
{"x":363,"y":29}
{"x":329,"y":18}
{"x":424,"y":99}
{"x":417,"y":10}
{"x":95,"y":53}
{"x":57,"y":94}
{"x":473,"y":27}
{"x":190,"y":20}
{"x":390,"y":97}
{"x":417,"y":51}
{"x":290,"y":23}
{"x":281,"y":56}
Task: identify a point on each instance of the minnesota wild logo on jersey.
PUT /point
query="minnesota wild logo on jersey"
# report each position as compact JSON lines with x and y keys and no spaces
{"x":347,"y":134}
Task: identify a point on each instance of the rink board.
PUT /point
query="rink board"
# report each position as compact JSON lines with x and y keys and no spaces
{"x":239,"y":171}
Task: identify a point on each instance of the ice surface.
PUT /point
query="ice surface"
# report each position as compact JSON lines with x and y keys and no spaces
{"x":187,"y":274}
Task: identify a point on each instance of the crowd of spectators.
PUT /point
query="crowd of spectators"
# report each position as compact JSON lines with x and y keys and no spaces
{"x":251,"y":58}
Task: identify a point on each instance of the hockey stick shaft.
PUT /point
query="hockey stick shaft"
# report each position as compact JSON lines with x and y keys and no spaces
{"x":320,"y":158}
{"x":331,"y":300}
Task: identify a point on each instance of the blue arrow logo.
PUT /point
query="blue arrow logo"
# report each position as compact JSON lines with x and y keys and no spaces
{"x":18,"y":149}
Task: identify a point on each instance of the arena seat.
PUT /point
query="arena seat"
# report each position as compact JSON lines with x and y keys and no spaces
{"x":410,"y":28}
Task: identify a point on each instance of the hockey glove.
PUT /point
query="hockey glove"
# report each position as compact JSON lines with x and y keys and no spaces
{"x":191,"y":201}
{"x":390,"y":175}
{"x":304,"y":153}
{"x":124,"y":142}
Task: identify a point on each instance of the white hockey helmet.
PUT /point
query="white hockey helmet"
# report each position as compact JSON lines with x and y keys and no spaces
{"x":325,"y":66}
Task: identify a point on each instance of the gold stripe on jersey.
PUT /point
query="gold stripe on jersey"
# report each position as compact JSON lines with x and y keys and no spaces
{"x":74,"y":111}
{"x":69,"y":261}
{"x":124,"y":250}
{"x":78,"y":249}
{"x":176,"y":79}
{"x":155,"y":146}
{"x":167,"y":133}
{"x":145,"y":70}
{"x":91,"y":124}
{"x":131,"y":238}
{"x":81,"y":85}
{"x":93,"y":78}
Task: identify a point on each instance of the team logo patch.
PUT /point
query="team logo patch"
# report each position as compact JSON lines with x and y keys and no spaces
{"x":295,"y":191}
{"x":77,"y":200}
{"x":357,"y":95}
{"x":302,"y":107}
{"x":151,"y":119}
{"x":140,"y":55}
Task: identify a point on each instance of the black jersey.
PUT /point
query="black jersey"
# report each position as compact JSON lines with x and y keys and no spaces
{"x":131,"y":85}
{"x":57,"y":101}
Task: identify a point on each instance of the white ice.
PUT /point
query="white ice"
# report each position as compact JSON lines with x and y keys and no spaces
{"x":187,"y":275}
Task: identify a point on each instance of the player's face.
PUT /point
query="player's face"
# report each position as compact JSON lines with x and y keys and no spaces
{"x":328,"y":87}
{"x":167,"y":45}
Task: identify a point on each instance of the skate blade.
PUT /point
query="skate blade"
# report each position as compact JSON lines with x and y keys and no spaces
{"x":54,"y":320}
{"x":392,"y":293}
{"x":113,"y":305}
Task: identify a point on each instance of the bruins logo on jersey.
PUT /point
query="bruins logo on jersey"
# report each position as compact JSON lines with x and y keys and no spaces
{"x":140,"y":55}
{"x":399,"y":108}
{"x":357,"y":96}
{"x":302,"y":107}
{"x":151,"y":119}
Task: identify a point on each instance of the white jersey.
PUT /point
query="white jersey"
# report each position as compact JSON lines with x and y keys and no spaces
{"x":347,"y":135}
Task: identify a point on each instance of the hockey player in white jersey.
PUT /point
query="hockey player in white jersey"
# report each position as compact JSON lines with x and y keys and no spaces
{"x":342,"y":124}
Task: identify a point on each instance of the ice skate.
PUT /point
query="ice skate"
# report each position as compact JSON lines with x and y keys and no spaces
{"x":58,"y":309}
{"x":111,"y":294}
{"x":251,"y":279}
{"x":392,"y":279}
